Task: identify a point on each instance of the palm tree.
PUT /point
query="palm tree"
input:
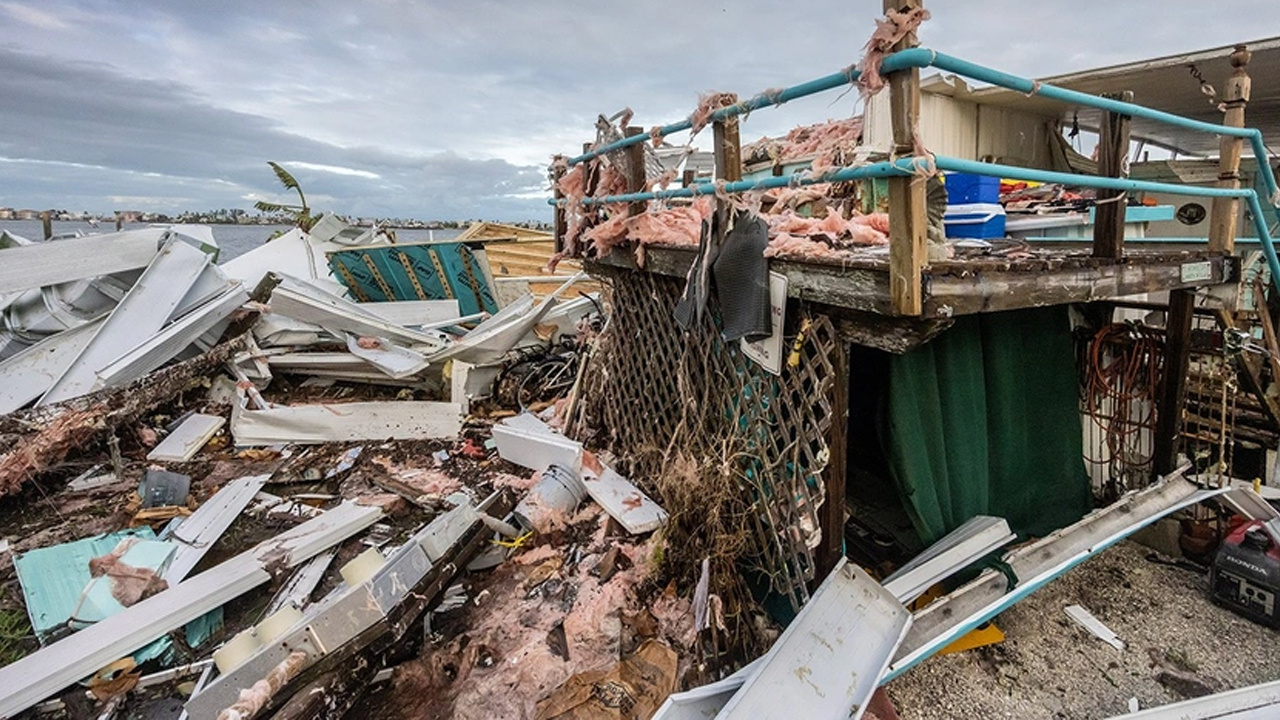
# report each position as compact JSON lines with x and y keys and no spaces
{"x":301,"y":213}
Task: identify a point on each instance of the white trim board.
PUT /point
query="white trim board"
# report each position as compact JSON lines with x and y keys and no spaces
{"x":59,"y":261}
{"x":394,"y":361}
{"x":186,"y":440}
{"x":626,"y":503}
{"x":305,"y":301}
{"x":341,"y":422}
{"x":954,"y":552}
{"x":1257,"y":702}
{"x":414,"y":313}
{"x":1038,"y":563}
{"x":197,"y":533}
{"x":166,"y":344}
{"x":977,"y":537}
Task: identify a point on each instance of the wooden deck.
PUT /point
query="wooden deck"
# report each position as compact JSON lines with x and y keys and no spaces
{"x":977,"y":283}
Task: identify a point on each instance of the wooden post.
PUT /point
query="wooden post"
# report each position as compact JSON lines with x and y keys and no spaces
{"x":1173,"y":383}
{"x":908,"y":249}
{"x":728,"y":162}
{"x":591,"y":173}
{"x":635,"y":171}
{"x":46,"y":223}
{"x":1235,"y":95}
{"x":836,"y":474}
{"x":1113,"y":161}
{"x":687,"y":178}
{"x":728,"y":145}
{"x":561,"y":222}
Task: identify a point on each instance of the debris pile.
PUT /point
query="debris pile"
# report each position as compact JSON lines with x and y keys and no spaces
{"x":286,"y":481}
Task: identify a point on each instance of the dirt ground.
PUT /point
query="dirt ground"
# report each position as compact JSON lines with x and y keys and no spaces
{"x":1050,"y":667}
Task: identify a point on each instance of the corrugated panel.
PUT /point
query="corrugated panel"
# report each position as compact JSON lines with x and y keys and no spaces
{"x":949,"y":126}
{"x":427,"y":271}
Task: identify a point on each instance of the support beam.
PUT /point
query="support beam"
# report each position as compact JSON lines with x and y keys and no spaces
{"x":1113,"y":161}
{"x":635,"y":171}
{"x":835,"y":476}
{"x":907,"y":220}
{"x":1235,"y":96}
{"x":728,"y":144}
{"x":1268,"y":328}
{"x":1173,"y":383}
{"x":561,"y":223}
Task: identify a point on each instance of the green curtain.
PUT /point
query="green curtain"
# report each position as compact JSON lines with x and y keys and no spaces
{"x":985,"y":420}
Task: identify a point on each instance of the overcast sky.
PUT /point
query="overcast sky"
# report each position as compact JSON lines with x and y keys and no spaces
{"x":451,"y":110}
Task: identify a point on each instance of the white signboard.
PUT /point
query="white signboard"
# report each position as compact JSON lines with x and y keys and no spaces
{"x":769,"y":351}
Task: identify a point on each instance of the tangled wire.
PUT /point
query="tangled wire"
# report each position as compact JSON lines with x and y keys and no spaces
{"x":1119,"y":385}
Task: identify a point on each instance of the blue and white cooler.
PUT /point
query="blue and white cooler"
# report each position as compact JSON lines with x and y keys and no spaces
{"x":983,"y":221}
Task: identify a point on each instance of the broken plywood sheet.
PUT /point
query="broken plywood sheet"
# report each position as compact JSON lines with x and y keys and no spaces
{"x":311,"y":424}
{"x":186,"y":440}
{"x":59,"y":261}
{"x":141,"y":314}
{"x":624,"y":502}
{"x":29,"y":374}
{"x":828,"y":661}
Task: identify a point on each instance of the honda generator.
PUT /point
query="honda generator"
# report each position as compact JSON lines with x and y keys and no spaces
{"x":1245,"y":576}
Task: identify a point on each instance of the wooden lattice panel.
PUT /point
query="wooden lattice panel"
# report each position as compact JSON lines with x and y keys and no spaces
{"x":647,"y":368}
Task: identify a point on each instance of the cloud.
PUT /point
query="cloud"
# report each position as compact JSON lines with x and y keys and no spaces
{"x":418,"y":98}
{"x":33,"y":17}
{"x":332,"y":169}
{"x":92,"y":126}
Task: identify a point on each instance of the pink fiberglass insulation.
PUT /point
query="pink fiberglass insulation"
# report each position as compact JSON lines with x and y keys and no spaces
{"x":708,"y":103}
{"x":129,"y":584}
{"x":798,"y":237}
{"x":827,"y":145}
{"x":509,"y":650}
{"x":681,"y":225}
{"x":893,"y":28}
{"x":797,"y":247}
{"x":612,"y":182}
{"x":254,"y":699}
{"x":573,"y":186}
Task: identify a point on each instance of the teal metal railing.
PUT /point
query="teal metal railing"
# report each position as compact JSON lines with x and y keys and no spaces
{"x":924,"y":57}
